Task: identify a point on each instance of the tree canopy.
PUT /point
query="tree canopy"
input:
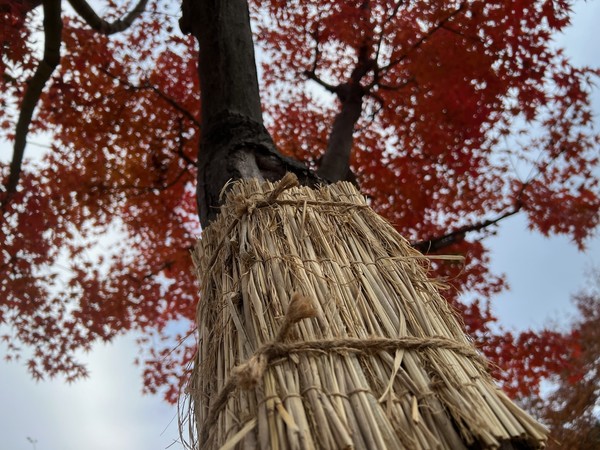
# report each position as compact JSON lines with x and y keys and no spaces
{"x":451,"y":116}
{"x":570,"y":409}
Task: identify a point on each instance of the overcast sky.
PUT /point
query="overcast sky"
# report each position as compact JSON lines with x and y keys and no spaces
{"x":108,"y":412}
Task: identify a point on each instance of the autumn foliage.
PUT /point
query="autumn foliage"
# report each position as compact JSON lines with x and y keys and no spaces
{"x":468,"y":114}
{"x":570,"y":407}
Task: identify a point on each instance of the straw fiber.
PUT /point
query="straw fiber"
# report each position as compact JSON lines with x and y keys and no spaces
{"x":318,"y":329}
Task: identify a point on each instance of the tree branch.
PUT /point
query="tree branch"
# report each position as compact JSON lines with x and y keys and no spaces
{"x":437,"y":243}
{"x":53,"y":36}
{"x":311,"y":75}
{"x":434,"y":244}
{"x":335,"y":164}
{"x":102,"y":26}
{"x":380,"y":105}
{"x":423,"y":38}
{"x":383,"y":26}
{"x":35,"y":86}
{"x":157,"y":91}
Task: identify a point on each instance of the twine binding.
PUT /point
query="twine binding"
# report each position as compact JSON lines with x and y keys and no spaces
{"x":383,"y":363}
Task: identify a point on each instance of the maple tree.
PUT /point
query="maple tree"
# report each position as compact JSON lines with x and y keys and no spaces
{"x":570,"y":409}
{"x":451,"y":116}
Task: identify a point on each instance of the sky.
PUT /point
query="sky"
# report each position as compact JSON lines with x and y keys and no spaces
{"x":107,"y":411}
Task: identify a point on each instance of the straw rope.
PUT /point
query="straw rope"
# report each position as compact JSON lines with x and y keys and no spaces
{"x":248,"y":374}
{"x":246,"y":206}
{"x":383,"y":363}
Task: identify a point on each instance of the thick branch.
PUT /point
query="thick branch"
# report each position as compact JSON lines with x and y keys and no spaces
{"x":35,"y":86}
{"x":335,"y":165}
{"x":336,"y":160}
{"x":102,"y":26}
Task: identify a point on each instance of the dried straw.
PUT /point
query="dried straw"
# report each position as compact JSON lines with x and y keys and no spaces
{"x":319,"y":329}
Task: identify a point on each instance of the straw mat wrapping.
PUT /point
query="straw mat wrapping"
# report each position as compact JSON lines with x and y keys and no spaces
{"x":319,"y":329}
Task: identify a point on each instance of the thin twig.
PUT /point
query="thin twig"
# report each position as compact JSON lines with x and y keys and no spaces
{"x":157,"y":91}
{"x":423,"y":38}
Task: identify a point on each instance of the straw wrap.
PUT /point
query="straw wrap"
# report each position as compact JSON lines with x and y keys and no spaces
{"x":319,"y":329}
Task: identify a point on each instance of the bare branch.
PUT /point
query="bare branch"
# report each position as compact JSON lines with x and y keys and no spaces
{"x":437,"y":243}
{"x":35,"y":86}
{"x":315,"y":36}
{"x":383,"y":30}
{"x":180,"y":151}
{"x":102,"y":26}
{"x":380,"y":105}
{"x":311,"y":75}
{"x":434,"y":244}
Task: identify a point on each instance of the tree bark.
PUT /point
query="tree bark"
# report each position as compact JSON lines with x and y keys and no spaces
{"x":234,"y":143}
{"x":335,"y":165}
{"x":33,"y":91}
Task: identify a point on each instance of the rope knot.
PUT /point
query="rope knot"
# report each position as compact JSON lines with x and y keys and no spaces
{"x":247,"y":375}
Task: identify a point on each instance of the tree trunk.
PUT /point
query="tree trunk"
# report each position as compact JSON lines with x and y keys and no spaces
{"x":234,"y":142}
{"x":336,"y":160}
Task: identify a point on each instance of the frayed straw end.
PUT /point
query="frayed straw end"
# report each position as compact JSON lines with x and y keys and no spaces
{"x":288,"y":181}
{"x":300,"y":307}
{"x":247,"y":375}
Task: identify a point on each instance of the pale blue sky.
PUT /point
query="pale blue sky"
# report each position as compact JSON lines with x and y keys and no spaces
{"x":108,"y":412}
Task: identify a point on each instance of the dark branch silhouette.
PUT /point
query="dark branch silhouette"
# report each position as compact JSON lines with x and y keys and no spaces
{"x":436,"y":243}
{"x":335,"y":163}
{"x":147,"y":86}
{"x":33,"y":91}
{"x":88,"y":14}
{"x":50,"y":60}
{"x":312,"y":73}
{"x":383,"y":28}
{"x":423,"y":38}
